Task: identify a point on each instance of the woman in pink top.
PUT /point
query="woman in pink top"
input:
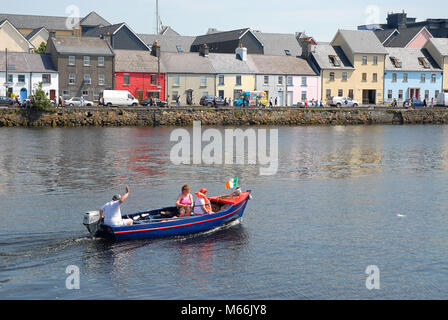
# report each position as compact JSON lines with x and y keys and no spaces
{"x":185,"y":202}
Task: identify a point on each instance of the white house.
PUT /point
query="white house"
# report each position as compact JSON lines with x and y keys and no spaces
{"x":25,"y":72}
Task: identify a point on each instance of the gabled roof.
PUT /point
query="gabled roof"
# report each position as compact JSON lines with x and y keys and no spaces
{"x":6,"y":21}
{"x":26,"y":21}
{"x":441,"y":44}
{"x":81,"y":45}
{"x":282,"y":65}
{"x":362,"y":41}
{"x":278,"y":43}
{"x":384,"y":35}
{"x":222,"y":36}
{"x":188,"y":62}
{"x":168,"y":31}
{"x":409,"y":60}
{"x":168,"y":43}
{"x":229,"y":63}
{"x":403,"y":37}
{"x":322,"y":52}
{"x":94,"y":19}
{"x":27,"y":62}
{"x":112,"y":30}
{"x":135,"y":61}
{"x":33,"y":33}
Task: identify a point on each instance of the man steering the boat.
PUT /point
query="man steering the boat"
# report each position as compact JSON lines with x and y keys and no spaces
{"x":111,"y":212}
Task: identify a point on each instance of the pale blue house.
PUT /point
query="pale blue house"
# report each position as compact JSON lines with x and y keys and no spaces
{"x":411,"y":74}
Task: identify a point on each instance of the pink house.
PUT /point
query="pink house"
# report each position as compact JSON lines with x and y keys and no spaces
{"x":413,"y":37}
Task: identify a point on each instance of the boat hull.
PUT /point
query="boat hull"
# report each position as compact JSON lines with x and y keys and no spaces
{"x":176,"y":227}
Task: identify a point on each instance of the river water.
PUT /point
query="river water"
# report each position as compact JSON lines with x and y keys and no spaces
{"x":343,"y":199}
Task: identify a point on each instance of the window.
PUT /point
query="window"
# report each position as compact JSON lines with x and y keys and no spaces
{"x":221,"y":80}
{"x":334,"y":60}
{"x":85,"y":93}
{"x":344,"y":76}
{"x":153,"y":79}
{"x":100,"y":61}
{"x":176,"y":80}
{"x":87,"y":79}
{"x":72,"y":78}
{"x":203,"y":81}
{"x":433,"y":78}
{"x":87,"y":60}
{"x":280,"y":80}
{"x":66,"y":94}
{"x":46,"y":78}
{"x":331,"y":76}
{"x":101,"y":80}
{"x":10,"y":78}
{"x":174,"y":95}
{"x":394,"y":77}
{"x":179,"y":49}
{"x":389,"y":94}
{"x":221,"y":94}
{"x":400,"y":94}
{"x":303,"y":81}
{"x":288,"y":52}
{"x":266,"y":80}
{"x":375,"y":77}
{"x":364,"y":77}
{"x":375,"y":60}
{"x":303,"y":95}
{"x":289,"y":80}
{"x":423,"y":62}
{"x":405,"y":77}
{"x":126,"y":79}
{"x":21,"y":78}
{"x":436,"y":93}
{"x":395,"y":62}
{"x":71,"y":60}
{"x":364,"y":59}
{"x":426,"y":94}
{"x":238,"y":80}
{"x":340,"y":93}
{"x":423,"y":77}
{"x":328,"y":93}
{"x":350,"y":93}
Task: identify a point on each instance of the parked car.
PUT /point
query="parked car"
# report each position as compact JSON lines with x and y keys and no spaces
{"x":76,"y":102}
{"x":5,"y":101}
{"x":340,"y":102}
{"x":209,"y":101}
{"x":119,"y":98}
{"x":415,"y":103}
{"x":157,"y":102}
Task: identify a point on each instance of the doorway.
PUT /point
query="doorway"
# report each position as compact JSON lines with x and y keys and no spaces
{"x":23,"y":94}
{"x":139,"y":96}
{"x":289,"y":100}
{"x":414,"y":93}
{"x":369,"y":96}
{"x":280,"y":98}
{"x":52,"y":94}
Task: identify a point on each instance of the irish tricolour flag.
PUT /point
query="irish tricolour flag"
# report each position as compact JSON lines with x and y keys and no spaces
{"x":232,"y":183}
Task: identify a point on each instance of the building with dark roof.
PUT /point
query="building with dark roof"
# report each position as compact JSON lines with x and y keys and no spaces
{"x":120,"y":36}
{"x":413,"y":37}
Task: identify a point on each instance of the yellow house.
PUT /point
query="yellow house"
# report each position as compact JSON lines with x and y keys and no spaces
{"x":38,"y":36}
{"x":12,"y":39}
{"x":352,"y":65}
{"x":438,"y":48}
{"x":233,"y":74}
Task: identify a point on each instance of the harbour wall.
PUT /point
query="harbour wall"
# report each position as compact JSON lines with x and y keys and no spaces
{"x":152,"y":117}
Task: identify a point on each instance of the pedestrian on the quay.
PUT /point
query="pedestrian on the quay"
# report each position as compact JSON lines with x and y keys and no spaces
{"x":270,"y":101}
{"x":424,"y":103}
{"x":230,"y":101}
{"x":276,"y":100}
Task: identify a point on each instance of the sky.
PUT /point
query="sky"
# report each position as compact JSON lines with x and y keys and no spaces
{"x":319,"y":18}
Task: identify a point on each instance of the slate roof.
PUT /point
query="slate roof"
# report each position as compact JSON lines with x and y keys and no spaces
{"x":33,"y":33}
{"x":321,"y":53}
{"x":276,"y":64}
{"x":409,"y":60}
{"x":220,"y":36}
{"x":27,"y":62}
{"x":384,"y":34}
{"x":362,"y":41}
{"x":441,"y":45}
{"x":187,"y":62}
{"x":103,"y":30}
{"x":27,"y":21}
{"x":403,"y":37}
{"x":135,"y":61}
{"x":277,"y":43}
{"x":168,"y":31}
{"x":168,"y":43}
{"x":81,"y":45}
{"x":94,"y":19}
{"x":228,"y":63}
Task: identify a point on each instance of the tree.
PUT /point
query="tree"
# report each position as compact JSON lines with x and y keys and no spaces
{"x":39,"y":99}
{"x":42,"y":48}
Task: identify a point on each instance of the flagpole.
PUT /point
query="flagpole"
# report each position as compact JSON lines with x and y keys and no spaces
{"x":157,"y":17}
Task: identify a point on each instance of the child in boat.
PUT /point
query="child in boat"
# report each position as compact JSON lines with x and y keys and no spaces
{"x":185,"y":201}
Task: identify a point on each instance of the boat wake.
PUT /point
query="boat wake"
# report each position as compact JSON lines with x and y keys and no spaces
{"x":208,"y":232}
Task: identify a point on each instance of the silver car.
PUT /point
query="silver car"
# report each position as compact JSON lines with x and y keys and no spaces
{"x":340,"y":102}
{"x":76,"y":102}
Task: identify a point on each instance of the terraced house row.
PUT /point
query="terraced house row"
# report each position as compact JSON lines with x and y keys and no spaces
{"x":371,"y":67}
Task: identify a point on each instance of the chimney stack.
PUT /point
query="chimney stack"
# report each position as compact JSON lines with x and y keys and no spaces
{"x":241,"y":52}
{"x":155,"y":50}
{"x":205,"y":50}
{"x":306,"y":43}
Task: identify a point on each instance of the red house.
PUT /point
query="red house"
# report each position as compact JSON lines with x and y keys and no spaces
{"x":137,"y":72}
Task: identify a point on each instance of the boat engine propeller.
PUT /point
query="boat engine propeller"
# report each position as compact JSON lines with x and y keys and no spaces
{"x":92,"y":221}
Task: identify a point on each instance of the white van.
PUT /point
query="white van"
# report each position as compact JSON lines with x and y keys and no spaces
{"x":118,"y":98}
{"x":442,"y":99}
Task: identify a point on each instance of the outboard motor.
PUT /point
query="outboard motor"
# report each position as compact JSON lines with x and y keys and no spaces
{"x":92,"y":221}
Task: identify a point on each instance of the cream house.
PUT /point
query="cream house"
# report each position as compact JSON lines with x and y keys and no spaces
{"x":438,"y":48}
{"x":12,"y":39}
